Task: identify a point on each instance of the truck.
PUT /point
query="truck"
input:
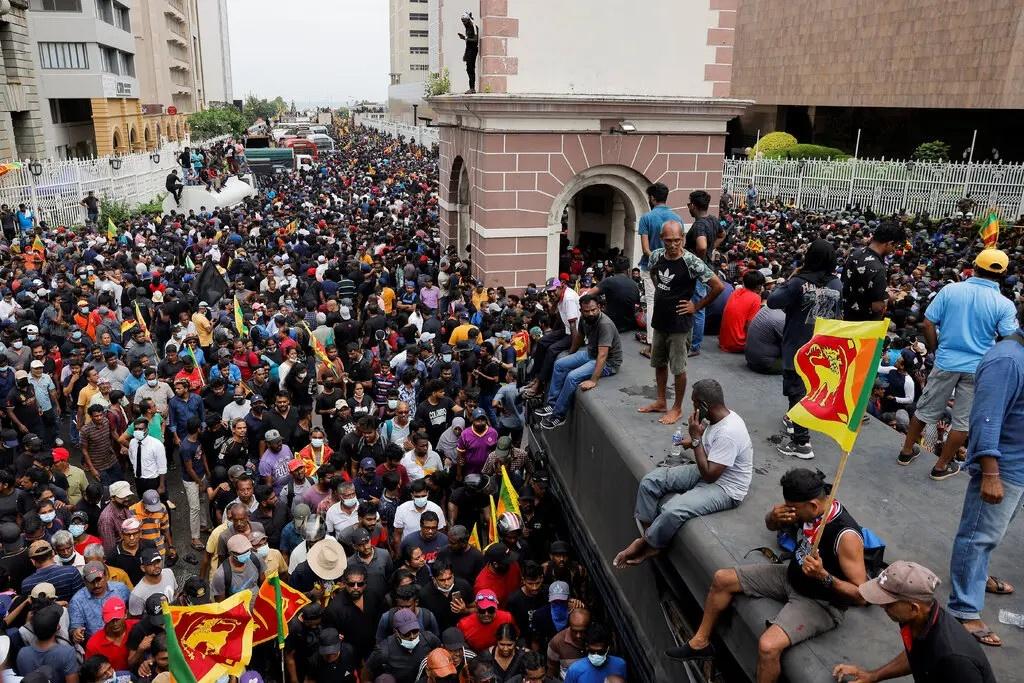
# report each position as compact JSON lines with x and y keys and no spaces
{"x":270,"y":160}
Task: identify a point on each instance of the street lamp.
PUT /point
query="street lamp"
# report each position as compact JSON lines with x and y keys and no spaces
{"x":35,"y":168}
{"x":115,"y":163}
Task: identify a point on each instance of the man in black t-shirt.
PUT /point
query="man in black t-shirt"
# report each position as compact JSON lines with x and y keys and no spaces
{"x":864,"y":277}
{"x":621,"y":296}
{"x":436,"y":410}
{"x":701,"y":239}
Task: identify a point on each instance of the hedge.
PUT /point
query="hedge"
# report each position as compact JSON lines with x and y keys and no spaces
{"x":806,"y":151}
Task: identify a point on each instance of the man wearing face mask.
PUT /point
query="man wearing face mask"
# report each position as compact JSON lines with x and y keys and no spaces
{"x":583,"y":367}
{"x":148,"y":459}
{"x":400,"y":655}
{"x":243,"y":570}
{"x":599,"y":664}
{"x":156,"y":390}
{"x":18,"y":354}
{"x":239,"y":406}
{"x":22,"y":409}
{"x":273,"y":467}
{"x":407,"y":515}
{"x":668,"y":497}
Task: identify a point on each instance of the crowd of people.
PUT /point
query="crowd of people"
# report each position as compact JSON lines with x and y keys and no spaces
{"x":340,"y":398}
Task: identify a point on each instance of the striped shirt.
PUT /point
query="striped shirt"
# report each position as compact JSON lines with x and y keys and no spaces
{"x":66,"y":580}
{"x":154,"y":525}
{"x":98,"y":442}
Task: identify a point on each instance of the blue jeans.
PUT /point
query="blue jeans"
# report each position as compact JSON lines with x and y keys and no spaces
{"x":699,"y":292}
{"x":567,"y":375}
{"x":982,"y":527}
{"x":487,"y":403}
{"x":685,"y":496}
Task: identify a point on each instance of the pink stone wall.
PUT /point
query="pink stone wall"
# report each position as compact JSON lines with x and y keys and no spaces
{"x":516,"y":177}
{"x":722,"y":37}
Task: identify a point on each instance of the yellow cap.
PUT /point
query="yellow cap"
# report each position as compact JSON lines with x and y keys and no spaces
{"x":992,"y":260}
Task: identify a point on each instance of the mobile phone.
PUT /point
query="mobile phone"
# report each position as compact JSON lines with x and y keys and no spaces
{"x":456,"y":595}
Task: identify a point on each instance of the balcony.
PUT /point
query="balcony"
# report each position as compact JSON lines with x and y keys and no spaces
{"x":175,"y":9}
{"x":179,"y":64}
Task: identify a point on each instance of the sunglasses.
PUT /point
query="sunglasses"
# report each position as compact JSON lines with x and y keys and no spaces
{"x":489,"y":610}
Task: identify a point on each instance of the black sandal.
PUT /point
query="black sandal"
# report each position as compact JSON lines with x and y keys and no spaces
{"x":685,"y":652}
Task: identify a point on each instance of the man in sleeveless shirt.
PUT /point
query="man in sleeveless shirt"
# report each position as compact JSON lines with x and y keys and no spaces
{"x":816,"y":588}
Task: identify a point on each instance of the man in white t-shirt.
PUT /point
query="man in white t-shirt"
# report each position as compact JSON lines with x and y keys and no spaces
{"x":719,"y":480}
{"x":407,"y":515}
{"x":557,"y":339}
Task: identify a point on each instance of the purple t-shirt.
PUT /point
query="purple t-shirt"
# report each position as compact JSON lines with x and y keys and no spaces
{"x":275,"y":466}
{"x":477,"y":447}
{"x":430,"y":296}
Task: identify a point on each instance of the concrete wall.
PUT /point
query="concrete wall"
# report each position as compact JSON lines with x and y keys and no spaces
{"x":909,"y":53}
{"x":215,"y":50}
{"x":21,"y":126}
{"x":165,"y":62}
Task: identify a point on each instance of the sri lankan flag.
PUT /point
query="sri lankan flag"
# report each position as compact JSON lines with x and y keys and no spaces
{"x":492,"y":529}
{"x":207,"y":642}
{"x":243,"y":331}
{"x":754,"y":245}
{"x":508,"y":499}
{"x":276,"y":604}
{"x":989,"y":231}
{"x":474,"y":539}
{"x":139,"y":319}
{"x":111,"y":230}
{"x":838,"y":366}
{"x":37,"y":244}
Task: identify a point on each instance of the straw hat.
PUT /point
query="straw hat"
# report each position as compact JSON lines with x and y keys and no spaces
{"x":327,"y":559}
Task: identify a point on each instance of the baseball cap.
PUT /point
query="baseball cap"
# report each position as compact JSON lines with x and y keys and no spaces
{"x":452,"y":638}
{"x":553,"y":284}
{"x":478,"y":413}
{"x":151,"y":501}
{"x":60,"y":454}
{"x":360,"y":536}
{"x":559,"y":548}
{"x":149,"y":556}
{"x":155,"y":608}
{"x":239,"y":543}
{"x":40,"y":548}
{"x":10,"y":438}
{"x":992,"y":260}
{"x":330,"y":641}
{"x":93,"y":570}
{"x":120,"y":489}
{"x":404,"y":621}
{"x":439,"y":663}
{"x":272,"y":435}
{"x":504,"y":446}
{"x":130,"y":524}
{"x":367,"y":463}
{"x":196,"y":590}
{"x":113,"y":608}
{"x":79,"y":516}
{"x":558,"y":590}
{"x":294,"y":464}
{"x":901,"y":580}
{"x":486,"y":599}
{"x":36,"y":364}
{"x":44,"y":590}
{"x":21,"y":374}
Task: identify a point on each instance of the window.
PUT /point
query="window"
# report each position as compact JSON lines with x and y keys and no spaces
{"x":126,"y":63}
{"x":105,"y":10}
{"x":110,"y":61}
{"x":57,"y":5}
{"x":419,"y":33}
{"x":70,"y":111}
{"x":418,"y":67}
{"x":63,"y":56}
{"x":124,"y":21}
{"x":417,"y":16}
{"x":418,"y":50}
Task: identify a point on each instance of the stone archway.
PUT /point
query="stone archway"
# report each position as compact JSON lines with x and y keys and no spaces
{"x":461,"y":205}
{"x":147,"y":137}
{"x":133,"y":139}
{"x":629,"y":185}
{"x":118,"y":141}
{"x":177,"y":125}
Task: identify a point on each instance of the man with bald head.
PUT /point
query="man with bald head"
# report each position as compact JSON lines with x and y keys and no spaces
{"x":675,"y":273}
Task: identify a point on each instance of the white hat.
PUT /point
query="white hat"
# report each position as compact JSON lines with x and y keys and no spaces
{"x":327,"y":559}
{"x":36,"y":364}
{"x":345,"y":313}
{"x":120,"y":489}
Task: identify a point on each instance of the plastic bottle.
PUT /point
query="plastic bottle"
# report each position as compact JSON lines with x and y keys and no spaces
{"x":677,"y":442}
{"x":1011,"y":618}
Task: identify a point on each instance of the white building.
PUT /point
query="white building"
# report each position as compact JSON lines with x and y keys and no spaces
{"x":215,"y":50}
{"x":411,"y":42}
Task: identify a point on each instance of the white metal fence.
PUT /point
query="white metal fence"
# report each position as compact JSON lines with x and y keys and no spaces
{"x":420,"y":134}
{"x":885,"y":186}
{"x":55,"y":194}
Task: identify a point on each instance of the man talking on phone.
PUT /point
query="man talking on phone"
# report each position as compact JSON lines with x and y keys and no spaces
{"x":719,"y":479}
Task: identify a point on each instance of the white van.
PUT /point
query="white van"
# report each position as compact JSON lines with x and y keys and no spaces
{"x":323,"y":142}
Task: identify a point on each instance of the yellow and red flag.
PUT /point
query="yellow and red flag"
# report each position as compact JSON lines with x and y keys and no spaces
{"x":508,"y":499}
{"x":276,"y":604}
{"x":838,"y":366}
{"x":206,"y":642}
{"x":989,"y":231}
{"x":492,"y":529}
{"x":139,"y":319}
{"x":474,"y":539}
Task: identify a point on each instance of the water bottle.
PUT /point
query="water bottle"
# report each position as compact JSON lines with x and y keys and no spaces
{"x":677,"y":442}
{"x":1011,"y":618}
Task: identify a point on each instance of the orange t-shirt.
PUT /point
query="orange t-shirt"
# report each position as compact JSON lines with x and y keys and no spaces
{"x":739,"y":310}
{"x":387,"y":295}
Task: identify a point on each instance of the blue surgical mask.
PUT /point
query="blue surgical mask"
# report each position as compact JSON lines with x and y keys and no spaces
{"x":243,"y":558}
{"x":410,"y":644}
{"x":316,"y":443}
{"x":263,"y":550}
{"x":420,"y":502}
{"x":350,"y":502}
{"x":48,"y":517}
{"x":597,"y":660}
{"x":77,"y":530}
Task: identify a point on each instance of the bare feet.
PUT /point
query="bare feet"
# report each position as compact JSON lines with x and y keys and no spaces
{"x":656,"y":407}
{"x":672,"y":416}
{"x":634,"y":554}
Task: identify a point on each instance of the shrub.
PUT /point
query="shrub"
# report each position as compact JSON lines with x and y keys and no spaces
{"x":438,"y":83}
{"x":115,"y":210}
{"x":936,"y":150}
{"x":805,"y":151}
{"x":772,"y":142}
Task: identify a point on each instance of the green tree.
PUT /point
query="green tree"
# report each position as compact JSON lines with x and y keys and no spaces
{"x":256,"y":108}
{"x":217,"y":121}
{"x":280,"y":106}
{"x":936,"y":150}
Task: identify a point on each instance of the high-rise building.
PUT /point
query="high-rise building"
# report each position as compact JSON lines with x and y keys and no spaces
{"x":410,"y":22}
{"x":214,"y":59}
{"x":21,"y":127}
{"x":167,"y":57}
{"x":89,"y":93}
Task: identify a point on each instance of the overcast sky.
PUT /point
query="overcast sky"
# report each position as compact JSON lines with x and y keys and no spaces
{"x":312,"y":51}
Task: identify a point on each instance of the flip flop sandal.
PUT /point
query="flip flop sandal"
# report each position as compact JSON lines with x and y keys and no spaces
{"x":980,"y":635}
{"x":1002,"y":588}
{"x":199,"y":547}
{"x":646,"y":353}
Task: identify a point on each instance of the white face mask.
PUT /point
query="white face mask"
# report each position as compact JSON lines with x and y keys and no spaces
{"x":151,"y":382}
{"x":597,"y":660}
{"x":392,"y":405}
{"x":139,"y":434}
{"x":18,"y":344}
{"x":420,"y":502}
{"x":350,"y":502}
{"x":410,"y":644}
{"x":316,"y":443}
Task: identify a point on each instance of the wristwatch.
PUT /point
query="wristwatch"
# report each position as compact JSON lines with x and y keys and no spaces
{"x":828,"y":581}
{"x":696,"y":443}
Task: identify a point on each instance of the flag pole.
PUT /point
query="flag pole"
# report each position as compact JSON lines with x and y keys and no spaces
{"x":828,"y":501}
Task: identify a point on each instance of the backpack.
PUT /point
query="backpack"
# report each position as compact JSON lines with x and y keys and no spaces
{"x":874,"y":550}
{"x":225,"y":567}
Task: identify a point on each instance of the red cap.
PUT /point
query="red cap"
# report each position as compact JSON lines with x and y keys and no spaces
{"x":311,"y":271}
{"x":564,"y":277}
{"x":295,"y":464}
{"x":486,"y":599}
{"x":60,"y":454}
{"x":113,"y":608}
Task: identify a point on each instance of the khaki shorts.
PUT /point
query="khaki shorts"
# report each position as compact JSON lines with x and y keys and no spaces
{"x":670,"y":350}
{"x":938,"y":389}
{"x":801,"y":618}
